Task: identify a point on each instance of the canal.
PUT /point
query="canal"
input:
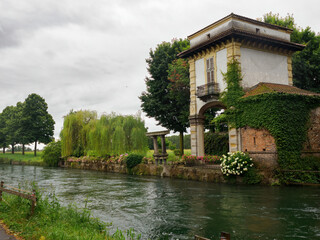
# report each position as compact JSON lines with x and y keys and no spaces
{"x":178,"y":209}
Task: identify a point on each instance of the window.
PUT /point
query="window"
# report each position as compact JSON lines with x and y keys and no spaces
{"x":210,"y":70}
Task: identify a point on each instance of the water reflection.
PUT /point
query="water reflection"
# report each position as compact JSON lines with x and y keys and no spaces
{"x":177,"y":209}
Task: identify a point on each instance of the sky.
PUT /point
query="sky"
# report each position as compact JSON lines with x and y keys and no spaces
{"x":90,"y":55}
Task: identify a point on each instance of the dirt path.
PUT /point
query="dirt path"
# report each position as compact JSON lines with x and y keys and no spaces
{"x":6,"y":234}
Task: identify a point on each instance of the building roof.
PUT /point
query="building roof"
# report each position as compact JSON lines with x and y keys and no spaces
{"x":235,"y":16}
{"x":234,"y":31}
{"x":264,"y":87}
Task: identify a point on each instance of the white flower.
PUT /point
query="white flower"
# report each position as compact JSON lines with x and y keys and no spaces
{"x":245,"y":169}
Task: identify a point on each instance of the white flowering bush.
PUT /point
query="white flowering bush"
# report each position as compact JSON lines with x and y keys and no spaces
{"x":236,"y":163}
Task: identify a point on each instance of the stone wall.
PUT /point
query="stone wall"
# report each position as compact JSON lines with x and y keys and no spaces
{"x":205,"y":173}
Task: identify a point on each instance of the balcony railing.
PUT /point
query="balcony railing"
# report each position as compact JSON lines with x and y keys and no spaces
{"x":208,"y":91}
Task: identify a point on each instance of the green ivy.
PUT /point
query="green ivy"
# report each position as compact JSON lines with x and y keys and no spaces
{"x":285,"y":116}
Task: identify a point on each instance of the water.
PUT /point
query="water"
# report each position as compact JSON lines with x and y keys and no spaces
{"x":177,"y":209}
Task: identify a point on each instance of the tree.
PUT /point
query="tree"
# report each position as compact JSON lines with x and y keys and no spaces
{"x":305,"y":63}
{"x":10,"y":116}
{"x":22,"y":127}
{"x":167,"y":96}
{"x":75,"y":130}
{"x":38,"y":124}
{"x":3,"y":136}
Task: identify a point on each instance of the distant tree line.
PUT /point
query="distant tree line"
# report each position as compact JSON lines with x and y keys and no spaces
{"x":83,"y":134}
{"x":27,"y":122}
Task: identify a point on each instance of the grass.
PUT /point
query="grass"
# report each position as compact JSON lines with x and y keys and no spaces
{"x":28,"y":157}
{"x":171,"y":156}
{"x":51,"y":221}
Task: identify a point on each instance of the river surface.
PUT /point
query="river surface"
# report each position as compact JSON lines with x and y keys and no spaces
{"x":163,"y":208}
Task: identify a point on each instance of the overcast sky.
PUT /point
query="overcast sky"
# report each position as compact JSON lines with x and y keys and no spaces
{"x":81,"y":54}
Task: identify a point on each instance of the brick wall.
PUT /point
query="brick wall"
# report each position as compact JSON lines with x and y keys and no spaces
{"x":313,"y":138}
{"x":257,"y":140}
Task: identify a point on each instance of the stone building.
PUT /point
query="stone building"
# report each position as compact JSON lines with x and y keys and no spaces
{"x":264,"y":52}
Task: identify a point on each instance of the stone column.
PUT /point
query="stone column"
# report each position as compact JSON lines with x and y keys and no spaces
{"x":234,"y":140}
{"x":163,"y":148}
{"x":197,"y":135}
{"x":155,"y":148}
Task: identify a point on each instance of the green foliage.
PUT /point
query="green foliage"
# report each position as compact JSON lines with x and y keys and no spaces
{"x":52,"y":221}
{"x":305,"y":63}
{"x":216,"y":143}
{"x":175,"y":140}
{"x":38,"y":124}
{"x":74,"y":133}
{"x":52,"y":153}
{"x":177,"y":152}
{"x":285,"y":116}
{"x":220,"y":123}
{"x":307,"y":171}
{"x":236,"y":163}
{"x":133,"y":160}
{"x":252,"y":176}
{"x":233,"y":79}
{"x":84,"y":134}
{"x":167,"y":96}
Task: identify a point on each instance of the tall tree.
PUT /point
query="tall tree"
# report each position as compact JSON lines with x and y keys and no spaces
{"x":22,"y":128}
{"x":3,"y":136}
{"x":11,"y":117}
{"x":163,"y":99}
{"x":305,"y":63}
{"x":38,"y":123}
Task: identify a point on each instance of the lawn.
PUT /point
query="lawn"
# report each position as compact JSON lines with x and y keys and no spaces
{"x":28,"y":157}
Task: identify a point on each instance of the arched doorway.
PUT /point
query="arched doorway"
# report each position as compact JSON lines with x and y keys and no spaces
{"x":197,"y":127}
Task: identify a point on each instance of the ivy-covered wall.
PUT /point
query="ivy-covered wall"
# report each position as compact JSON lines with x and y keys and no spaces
{"x":285,"y":116}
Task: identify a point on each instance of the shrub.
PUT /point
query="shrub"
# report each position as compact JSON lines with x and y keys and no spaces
{"x":190,"y":160}
{"x":235,"y":163}
{"x":252,"y":176}
{"x":216,"y":143}
{"x":176,"y":152}
{"x":133,"y":160}
{"x":52,"y":153}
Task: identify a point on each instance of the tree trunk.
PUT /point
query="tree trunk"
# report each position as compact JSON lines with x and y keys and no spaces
{"x":12,"y":148}
{"x":181,"y":144}
{"x":4,"y":150}
{"x":35,"y":148}
{"x":22,"y":149}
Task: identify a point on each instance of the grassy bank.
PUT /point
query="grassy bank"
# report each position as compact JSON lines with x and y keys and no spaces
{"x":28,"y":158}
{"x":51,"y":221}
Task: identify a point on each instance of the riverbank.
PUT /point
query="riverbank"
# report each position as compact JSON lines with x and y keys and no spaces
{"x":18,"y":159}
{"x":51,"y":221}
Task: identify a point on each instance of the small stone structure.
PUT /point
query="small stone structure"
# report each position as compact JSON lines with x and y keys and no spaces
{"x":163,"y":155}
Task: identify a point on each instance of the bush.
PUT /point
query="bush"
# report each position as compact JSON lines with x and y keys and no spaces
{"x":176,"y":152}
{"x":133,"y":160}
{"x":252,"y":176}
{"x":235,"y":163}
{"x":52,"y":153}
{"x":190,"y":160}
{"x":216,"y":143}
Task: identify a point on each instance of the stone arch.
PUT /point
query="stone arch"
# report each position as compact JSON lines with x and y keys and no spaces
{"x":197,"y":127}
{"x":214,"y":104}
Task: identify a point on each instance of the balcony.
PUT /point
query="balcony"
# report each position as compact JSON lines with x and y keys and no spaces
{"x":208,"y":91}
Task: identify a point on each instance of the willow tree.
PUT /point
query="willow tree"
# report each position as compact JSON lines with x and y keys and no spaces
{"x":74,"y":133}
{"x":112,"y":134}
